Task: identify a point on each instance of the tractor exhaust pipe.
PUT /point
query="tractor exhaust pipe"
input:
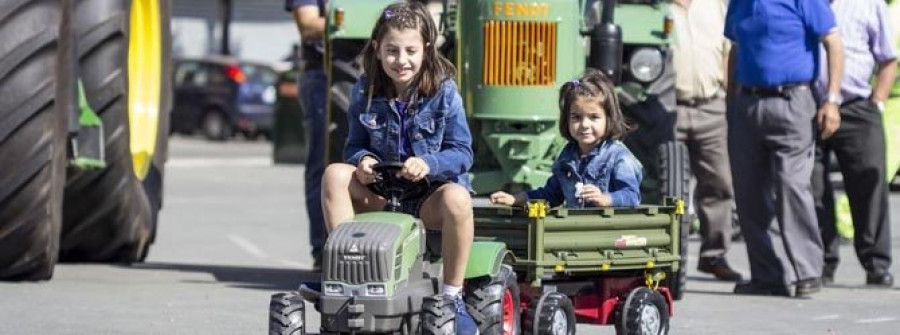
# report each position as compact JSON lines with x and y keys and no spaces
{"x":606,"y":43}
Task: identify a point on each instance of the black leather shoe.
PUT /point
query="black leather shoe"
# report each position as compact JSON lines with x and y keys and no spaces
{"x":757,"y":288}
{"x":879,"y":279}
{"x":807,"y":287}
{"x":719,"y":268}
{"x":827,"y":275}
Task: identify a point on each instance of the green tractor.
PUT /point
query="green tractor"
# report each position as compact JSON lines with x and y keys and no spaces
{"x":532,"y":270}
{"x":84,"y":107}
{"x":512,"y":58}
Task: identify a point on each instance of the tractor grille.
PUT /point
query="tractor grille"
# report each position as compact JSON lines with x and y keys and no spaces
{"x":359,"y":252}
{"x":519,"y":53}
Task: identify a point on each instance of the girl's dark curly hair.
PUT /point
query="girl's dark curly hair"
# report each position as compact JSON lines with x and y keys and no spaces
{"x":596,"y":85}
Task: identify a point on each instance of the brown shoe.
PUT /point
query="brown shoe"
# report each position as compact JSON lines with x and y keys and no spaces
{"x":719,"y":268}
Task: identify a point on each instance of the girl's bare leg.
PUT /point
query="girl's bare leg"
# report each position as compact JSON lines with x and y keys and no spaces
{"x":343,"y":195}
{"x":449,"y":209}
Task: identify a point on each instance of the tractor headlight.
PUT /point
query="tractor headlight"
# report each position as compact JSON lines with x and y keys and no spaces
{"x":646,"y":64}
{"x":375,"y":290}
{"x":334,"y":289}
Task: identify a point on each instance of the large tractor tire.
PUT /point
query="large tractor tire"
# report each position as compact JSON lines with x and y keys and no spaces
{"x":36,"y":93}
{"x":344,"y":70}
{"x":123,"y":53}
{"x":674,"y":181}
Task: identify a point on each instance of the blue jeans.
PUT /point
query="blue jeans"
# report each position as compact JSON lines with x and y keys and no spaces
{"x":312,"y":91}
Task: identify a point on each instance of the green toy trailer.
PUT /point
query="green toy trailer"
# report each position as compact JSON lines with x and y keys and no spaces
{"x":600,"y":266}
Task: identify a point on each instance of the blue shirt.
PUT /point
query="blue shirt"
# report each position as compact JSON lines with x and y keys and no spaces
{"x":610,"y":166}
{"x":778,"y":40}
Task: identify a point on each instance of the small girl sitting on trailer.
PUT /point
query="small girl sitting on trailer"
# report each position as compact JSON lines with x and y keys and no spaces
{"x":595,"y":169}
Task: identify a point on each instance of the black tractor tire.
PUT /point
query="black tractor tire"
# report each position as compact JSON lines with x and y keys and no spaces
{"x":344,"y":71}
{"x":36,"y":94}
{"x":494,"y":303}
{"x":438,"y":316}
{"x":644,"y":312}
{"x":287,"y":314}
{"x":108,"y":214}
{"x":215,"y":126}
{"x":551,"y":314}
{"x":674,"y":179}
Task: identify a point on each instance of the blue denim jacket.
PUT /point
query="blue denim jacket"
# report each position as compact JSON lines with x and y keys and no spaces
{"x":610,"y":167}
{"x":439,"y":134}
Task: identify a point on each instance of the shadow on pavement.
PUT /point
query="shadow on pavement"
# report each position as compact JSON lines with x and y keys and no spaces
{"x":270,"y":279}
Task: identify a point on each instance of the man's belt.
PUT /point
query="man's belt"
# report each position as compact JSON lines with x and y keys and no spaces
{"x":694,"y":102}
{"x":782,"y":91}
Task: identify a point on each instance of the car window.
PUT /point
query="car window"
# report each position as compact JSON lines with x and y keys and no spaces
{"x":191,"y":74}
{"x":217,"y":75}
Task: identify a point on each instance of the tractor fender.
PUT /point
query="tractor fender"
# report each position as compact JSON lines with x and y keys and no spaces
{"x":486,"y":258}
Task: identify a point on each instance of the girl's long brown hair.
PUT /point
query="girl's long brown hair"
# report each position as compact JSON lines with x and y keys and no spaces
{"x":434,"y":69}
{"x":593,"y":84}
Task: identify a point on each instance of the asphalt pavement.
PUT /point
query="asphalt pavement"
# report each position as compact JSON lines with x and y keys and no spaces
{"x":233,"y":231}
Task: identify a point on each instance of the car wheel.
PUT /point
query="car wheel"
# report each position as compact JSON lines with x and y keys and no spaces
{"x":215,"y":127}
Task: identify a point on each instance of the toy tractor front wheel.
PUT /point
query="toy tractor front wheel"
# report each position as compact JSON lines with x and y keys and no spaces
{"x":438,"y":316}
{"x":644,"y":313}
{"x":552,"y":314}
{"x":494,"y":303}
{"x":286,"y":314}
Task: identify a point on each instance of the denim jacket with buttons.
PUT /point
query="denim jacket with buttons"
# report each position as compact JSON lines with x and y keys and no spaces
{"x":439,"y":132}
{"x":610,"y":166}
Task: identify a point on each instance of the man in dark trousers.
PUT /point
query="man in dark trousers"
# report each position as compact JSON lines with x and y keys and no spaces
{"x":771,"y":134}
{"x":310,"y":18}
{"x":700,"y":55}
{"x":859,"y":143}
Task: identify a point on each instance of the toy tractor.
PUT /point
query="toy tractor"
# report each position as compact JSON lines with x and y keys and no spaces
{"x":382,"y":271}
{"x":512,"y":57}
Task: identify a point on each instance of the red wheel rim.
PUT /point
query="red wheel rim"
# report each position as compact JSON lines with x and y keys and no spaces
{"x":508,"y":312}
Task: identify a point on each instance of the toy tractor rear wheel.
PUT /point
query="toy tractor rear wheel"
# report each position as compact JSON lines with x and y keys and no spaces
{"x":286,"y":314}
{"x":674,"y":179}
{"x":552,"y":314}
{"x":644,"y":312}
{"x":438,"y":316}
{"x":494,"y":303}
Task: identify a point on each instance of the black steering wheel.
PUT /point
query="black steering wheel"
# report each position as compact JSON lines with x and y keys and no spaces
{"x":396,"y":189}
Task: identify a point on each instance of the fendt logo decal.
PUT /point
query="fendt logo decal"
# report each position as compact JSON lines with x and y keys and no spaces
{"x":513,"y":9}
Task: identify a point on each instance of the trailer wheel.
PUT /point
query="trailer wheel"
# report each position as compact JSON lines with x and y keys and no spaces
{"x":344,"y":71}
{"x":644,"y":312}
{"x":674,"y":178}
{"x":494,"y":303}
{"x":286,"y":314}
{"x":438,"y":316}
{"x":36,"y":95}
{"x":552,"y":314}
{"x":123,"y":50}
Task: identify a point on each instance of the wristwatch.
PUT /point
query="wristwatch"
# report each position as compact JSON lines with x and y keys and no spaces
{"x":835,"y":99}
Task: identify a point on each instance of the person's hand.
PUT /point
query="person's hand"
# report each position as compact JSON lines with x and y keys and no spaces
{"x":364,"y":173}
{"x":829,"y":119}
{"x":414,"y":169}
{"x":503,"y":198}
{"x":590,"y":194}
